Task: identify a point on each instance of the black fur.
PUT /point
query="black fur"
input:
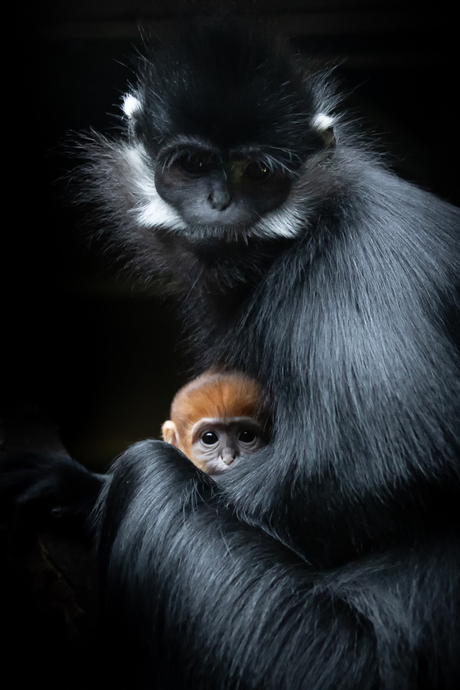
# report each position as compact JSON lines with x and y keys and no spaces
{"x":331,"y":559}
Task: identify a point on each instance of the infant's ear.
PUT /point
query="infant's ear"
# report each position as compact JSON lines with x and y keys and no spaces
{"x":169,"y":433}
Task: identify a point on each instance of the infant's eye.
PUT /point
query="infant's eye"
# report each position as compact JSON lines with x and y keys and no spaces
{"x":209,"y":437}
{"x":247,"y":436}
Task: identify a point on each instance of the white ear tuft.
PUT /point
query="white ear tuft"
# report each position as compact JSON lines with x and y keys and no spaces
{"x":130,"y":105}
{"x":322,"y":122}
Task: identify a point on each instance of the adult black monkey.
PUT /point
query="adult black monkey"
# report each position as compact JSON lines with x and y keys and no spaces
{"x":330,"y":560}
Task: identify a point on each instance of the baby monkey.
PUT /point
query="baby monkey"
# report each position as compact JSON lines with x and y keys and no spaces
{"x":217,"y":419}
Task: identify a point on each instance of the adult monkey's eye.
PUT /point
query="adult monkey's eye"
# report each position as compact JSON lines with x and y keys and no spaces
{"x":209,"y":438}
{"x":194,"y":163}
{"x":257,"y":171}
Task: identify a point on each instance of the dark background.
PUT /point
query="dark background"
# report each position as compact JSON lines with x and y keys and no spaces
{"x":95,"y":350}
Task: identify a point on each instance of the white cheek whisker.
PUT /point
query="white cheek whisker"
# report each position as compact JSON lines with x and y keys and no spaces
{"x":151,"y":210}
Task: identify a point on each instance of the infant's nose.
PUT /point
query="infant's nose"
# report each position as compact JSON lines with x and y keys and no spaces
{"x":228,"y":455}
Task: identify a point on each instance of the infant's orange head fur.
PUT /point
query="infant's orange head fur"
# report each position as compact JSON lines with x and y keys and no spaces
{"x":215,"y":394}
